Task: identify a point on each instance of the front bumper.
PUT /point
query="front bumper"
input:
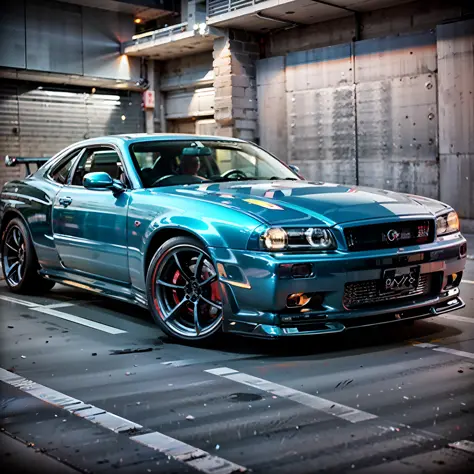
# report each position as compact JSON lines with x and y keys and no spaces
{"x":255,"y":296}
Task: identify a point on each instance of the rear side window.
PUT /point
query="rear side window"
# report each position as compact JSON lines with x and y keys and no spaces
{"x":61,"y":172}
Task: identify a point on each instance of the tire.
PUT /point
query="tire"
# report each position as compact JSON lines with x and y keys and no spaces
{"x":183,"y":292}
{"x":19,"y":262}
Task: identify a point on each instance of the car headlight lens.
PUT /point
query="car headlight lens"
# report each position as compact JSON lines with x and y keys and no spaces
{"x":447,"y":224}
{"x":313,"y":238}
{"x":321,"y":239}
{"x":275,"y":239}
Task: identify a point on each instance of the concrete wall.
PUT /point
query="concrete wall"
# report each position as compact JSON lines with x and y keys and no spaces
{"x":395,"y":112}
{"x":363,"y":112}
{"x":187,"y":72}
{"x":186,"y":88}
{"x":456,"y":121}
{"x":54,"y":37}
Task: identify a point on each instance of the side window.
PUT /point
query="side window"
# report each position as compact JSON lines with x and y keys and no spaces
{"x":96,"y":160}
{"x":61,"y":172}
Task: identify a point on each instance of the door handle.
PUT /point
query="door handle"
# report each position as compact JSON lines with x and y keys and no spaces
{"x":65,"y":201}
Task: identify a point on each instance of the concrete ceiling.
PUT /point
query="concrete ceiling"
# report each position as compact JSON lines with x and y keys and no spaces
{"x":174,"y":46}
{"x":145,"y":9}
{"x":68,"y":79}
{"x":279,"y":13}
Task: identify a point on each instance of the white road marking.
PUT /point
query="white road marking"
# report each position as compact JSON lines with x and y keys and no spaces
{"x":321,"y":404}
{"x":455,"y":317}
{"x":468,"y":281}
{"x":49,"y":309}
{"x":182,"y":452}
{"x":197,"y":458}
{"x":10,"y":299}
{"x":79,"y":320}
{"x":447,"y":350}
{"x":463,"y":445}
{"x":59,"y":305}
{"x":222,"y":371}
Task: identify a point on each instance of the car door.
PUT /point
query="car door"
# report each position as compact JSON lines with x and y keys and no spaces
{"x":90,"y":226}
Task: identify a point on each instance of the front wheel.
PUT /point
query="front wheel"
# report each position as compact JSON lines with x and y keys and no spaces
{"x":19,"y":262}
{"x":183,"y":291}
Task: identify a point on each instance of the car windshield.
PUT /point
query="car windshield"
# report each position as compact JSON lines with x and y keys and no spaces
{"x":179,"y":162}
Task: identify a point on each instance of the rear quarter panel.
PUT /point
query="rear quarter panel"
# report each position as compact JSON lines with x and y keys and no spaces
{"x":31,"y":199}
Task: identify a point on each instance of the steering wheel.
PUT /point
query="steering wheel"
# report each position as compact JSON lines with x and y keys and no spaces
{"x":159,"y":180}
{"x":178,"y":180}
{"x":235,"y":171}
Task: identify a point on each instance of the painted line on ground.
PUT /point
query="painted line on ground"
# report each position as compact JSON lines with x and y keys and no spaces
{"x":470,"y":282}
{"x":464,"y":445}
{"x":59,"y":305}
{"x":11,"y":299}
{"x":182,"y":452}
{"x":321,"y":404}
{"x":455,"y":317}
{"x":49,"y":310}
{"x":191,"y":456}
{"x":447,"y":350}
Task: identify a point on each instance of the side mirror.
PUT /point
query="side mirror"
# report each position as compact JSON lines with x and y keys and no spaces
{"x":101,"y":180}
{"x":295,"y":169}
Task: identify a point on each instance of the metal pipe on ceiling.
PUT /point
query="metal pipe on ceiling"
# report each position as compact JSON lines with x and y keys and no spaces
{"x":266,"y":17}
{"x":329,"y":4}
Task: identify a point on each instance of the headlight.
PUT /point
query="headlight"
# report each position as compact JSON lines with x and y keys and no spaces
{"x":275,"y":239}
{"x":313,"y":238}
{"x":447,"y":224}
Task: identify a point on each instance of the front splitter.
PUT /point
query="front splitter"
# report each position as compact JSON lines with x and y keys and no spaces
{"x":337,"y":326}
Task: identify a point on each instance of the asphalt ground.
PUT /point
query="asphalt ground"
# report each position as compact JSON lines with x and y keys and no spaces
{"x":92,"y":385}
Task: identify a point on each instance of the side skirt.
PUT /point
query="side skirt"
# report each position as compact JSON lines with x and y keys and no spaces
{"x":104,"y":288}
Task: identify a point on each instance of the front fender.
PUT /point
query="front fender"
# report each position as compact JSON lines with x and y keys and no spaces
{"x":149,"y":218}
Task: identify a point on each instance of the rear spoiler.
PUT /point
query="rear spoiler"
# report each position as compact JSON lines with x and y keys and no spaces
{"x":27,"y":161}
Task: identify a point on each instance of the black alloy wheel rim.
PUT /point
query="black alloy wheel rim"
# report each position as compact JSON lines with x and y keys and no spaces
{"x":14,"y":256}
{"x":186,"y":293}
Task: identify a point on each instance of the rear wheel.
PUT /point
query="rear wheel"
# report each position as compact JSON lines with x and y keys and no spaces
{"x":19,"y":262}
{"x":183,"y":291}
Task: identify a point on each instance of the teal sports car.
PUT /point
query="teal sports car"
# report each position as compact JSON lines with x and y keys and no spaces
{"x":215,"y":234}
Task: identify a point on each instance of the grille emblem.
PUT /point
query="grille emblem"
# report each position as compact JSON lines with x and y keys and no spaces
{"x":392,"y":235}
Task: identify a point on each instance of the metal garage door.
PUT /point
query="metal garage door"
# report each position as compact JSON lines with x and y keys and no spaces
{"x":200,"y":127}
{"x":189,"y":103}
{"x":40,"y":120}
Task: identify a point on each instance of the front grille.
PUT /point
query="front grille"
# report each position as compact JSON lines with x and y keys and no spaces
{"x":362,"y":293}
{"x":390,"y":235}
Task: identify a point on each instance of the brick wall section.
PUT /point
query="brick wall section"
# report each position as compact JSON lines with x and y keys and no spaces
{"x":235,"y":108}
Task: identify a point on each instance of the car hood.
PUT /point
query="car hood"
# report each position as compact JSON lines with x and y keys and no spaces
{"x":308,"y":203}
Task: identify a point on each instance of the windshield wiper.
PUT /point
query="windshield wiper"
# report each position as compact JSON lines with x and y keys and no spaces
{"x":237,"y":178}
{"x":250,"y":178}
{"x":276,"y":178}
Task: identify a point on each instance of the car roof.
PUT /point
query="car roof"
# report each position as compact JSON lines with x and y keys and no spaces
{"x":149,"y":137}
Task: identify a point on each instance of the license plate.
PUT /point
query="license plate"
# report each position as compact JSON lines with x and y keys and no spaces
{"x":396,"y":280}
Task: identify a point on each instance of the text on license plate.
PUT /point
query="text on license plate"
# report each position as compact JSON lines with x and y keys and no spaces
{"x":400,"y":279}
